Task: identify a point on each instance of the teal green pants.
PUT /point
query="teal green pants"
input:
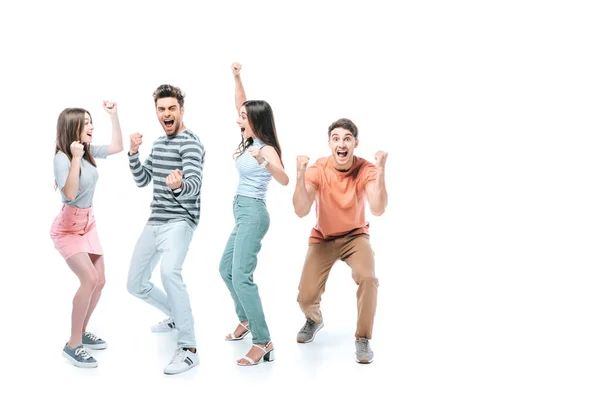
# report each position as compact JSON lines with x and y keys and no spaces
{"x":239,"y":262}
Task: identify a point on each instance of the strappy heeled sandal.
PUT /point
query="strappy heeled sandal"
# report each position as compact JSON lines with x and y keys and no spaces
{"x":243,"y":335}
{"x":267,"y":356}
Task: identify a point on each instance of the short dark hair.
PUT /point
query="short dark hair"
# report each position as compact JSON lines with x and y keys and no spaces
{"x":346,"y":124}
{"x":168,"y":91}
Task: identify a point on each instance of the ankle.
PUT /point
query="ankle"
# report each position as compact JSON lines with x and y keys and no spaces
{"x":191,"y":349}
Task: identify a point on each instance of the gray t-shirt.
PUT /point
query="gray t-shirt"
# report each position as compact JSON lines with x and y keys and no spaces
{"x":87,"y":179}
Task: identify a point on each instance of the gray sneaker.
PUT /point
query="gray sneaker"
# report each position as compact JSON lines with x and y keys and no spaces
{"x":93,"y":342}
{"x":308,"y":331}
{"x":79,"y":356}
{"x":364,"y":354}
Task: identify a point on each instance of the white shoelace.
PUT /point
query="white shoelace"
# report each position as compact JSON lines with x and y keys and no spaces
{"x":179,"y":356}
{"x":83,"y":353}
{"x":91,"y":336}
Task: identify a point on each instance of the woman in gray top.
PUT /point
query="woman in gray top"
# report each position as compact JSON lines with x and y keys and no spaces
{"x":74,"y":229}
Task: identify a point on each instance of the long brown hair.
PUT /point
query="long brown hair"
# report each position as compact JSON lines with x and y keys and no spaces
{"x":262,"y":121}
{"x":68,"y":130}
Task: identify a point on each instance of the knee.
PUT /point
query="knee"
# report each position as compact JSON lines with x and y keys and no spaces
{"x":90,"y":280}
{"x":100,"y":283}
{"x":133,"y":287}
{"x":240,"y":280}
{"x":366,"y":279}
{"x":225,"y":271}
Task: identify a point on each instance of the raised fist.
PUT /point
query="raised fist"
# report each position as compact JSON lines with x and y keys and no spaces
{"x":380,"y":159}
{"x":236,"y":68}
{"x":135,"y":140}
{"x":77,"y":149}
{"x":174,"y":179}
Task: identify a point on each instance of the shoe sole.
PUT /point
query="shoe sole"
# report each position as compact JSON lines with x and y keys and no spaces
{"x":364,"y":361}
{"x":313,"y":336}
{"x":269,"y":357}
{"x":251,"y":365}
{"x":180,"y":372}
{"x":162,"y":330}
{"x":77,"y":363}
{"x":95,"y":346}
{"x":243,"y":335}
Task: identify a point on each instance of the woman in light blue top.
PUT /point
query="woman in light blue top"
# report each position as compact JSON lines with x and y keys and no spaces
{"x":258,"y":158}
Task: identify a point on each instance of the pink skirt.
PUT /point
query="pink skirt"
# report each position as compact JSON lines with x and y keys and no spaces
{"x":74,"y":231}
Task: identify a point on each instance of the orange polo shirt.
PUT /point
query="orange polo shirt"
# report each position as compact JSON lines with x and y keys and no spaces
{"x":340,"y":198}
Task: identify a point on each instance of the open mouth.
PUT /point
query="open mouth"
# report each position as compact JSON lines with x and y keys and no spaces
{"x":169,"y":123}
{"x":242,"y":129}
{"x":342,"y":153}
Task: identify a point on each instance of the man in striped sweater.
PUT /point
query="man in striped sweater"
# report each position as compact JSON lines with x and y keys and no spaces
{"x":174,"y":166}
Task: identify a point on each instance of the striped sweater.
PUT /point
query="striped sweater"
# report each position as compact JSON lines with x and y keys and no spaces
{"x":185,"y":152}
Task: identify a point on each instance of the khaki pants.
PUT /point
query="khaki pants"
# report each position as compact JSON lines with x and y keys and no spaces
{"x":354,"y":250}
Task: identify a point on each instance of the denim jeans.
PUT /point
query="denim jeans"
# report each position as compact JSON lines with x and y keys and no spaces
{"x":171,"y":242}
{"x":239,"y":262}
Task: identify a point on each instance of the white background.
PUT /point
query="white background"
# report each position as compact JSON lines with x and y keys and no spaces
{"x":487,"y":255}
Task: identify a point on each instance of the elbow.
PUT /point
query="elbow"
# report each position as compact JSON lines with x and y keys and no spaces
{"x":300,"y":213}
{"x":378,"y":212}
{"x":285,"y":181}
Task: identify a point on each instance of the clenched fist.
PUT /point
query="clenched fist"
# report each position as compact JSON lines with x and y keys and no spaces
{"x":110,"y":107}
{"x":302,"y":162}
{"x":380,"y":158}
{"x":236,"y":68}
{"x":77,"y":149}
{"x":254,"y":151}
{"x":174,"y":179}
{"x":135,"y":140}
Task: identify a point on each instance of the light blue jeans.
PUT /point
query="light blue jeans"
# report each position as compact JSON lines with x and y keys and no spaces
{"x":239,"y":262}
{"x":171,"y":241}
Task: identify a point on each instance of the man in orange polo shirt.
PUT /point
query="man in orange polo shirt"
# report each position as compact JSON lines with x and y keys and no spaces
{"x":340,"y":184}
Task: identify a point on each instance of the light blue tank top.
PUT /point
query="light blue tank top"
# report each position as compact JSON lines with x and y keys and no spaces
{"x":254,"y":179}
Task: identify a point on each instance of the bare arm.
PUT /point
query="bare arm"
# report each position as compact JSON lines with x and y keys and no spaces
{"x":240,"y":94}
{"x":71,"y":186}
{"x":274,"y":166}
{"x":116,"y":144}
{"x":304,"y":194}
{"x":376,"y":191}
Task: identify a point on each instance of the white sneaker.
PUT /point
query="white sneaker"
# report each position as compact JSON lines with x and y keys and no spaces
{"x":181,"y":362}
{"x":167,"y":325}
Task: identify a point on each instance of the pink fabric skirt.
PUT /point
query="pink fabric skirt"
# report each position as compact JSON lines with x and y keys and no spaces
{"x":74,"y":231}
